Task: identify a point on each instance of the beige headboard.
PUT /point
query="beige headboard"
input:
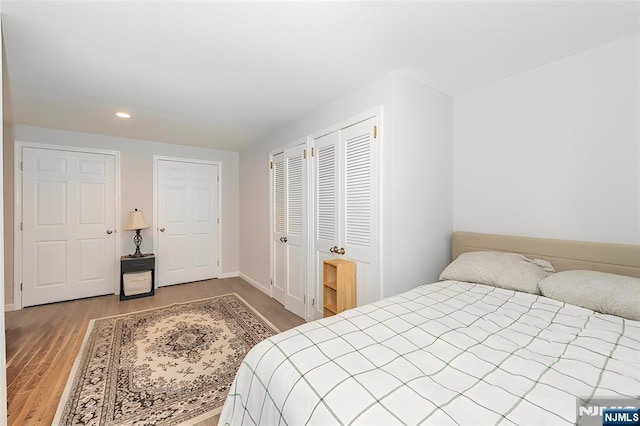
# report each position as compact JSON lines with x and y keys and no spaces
{"x":563,"y":254}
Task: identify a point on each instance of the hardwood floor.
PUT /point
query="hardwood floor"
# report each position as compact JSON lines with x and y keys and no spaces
{"x":43,"y":341}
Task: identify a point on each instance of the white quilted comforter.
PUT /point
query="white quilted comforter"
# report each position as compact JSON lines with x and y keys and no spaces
{"x":444,"y":353}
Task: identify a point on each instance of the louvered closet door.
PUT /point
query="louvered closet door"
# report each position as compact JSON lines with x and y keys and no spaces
{"x":279,"y":226}
{"x":345,"y":204}
{"x":326,"y":217}
{"x":359,"y":204}
{"x":290,"y":212}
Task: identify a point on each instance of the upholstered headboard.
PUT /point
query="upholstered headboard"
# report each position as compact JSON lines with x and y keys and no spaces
{"x":565,"y":255}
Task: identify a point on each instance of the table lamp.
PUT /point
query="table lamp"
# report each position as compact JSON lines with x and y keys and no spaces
{"x":136,"y":223}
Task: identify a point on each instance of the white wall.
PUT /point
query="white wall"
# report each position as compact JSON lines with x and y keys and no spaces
{"x":554,"y":152}
{"x":421,"y":203}
{"x":136,"y":173}
{"x":3,"y":356}
{"x":416,"y":181}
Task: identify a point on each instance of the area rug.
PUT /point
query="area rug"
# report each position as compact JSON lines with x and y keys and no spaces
{"x":166,"y":366}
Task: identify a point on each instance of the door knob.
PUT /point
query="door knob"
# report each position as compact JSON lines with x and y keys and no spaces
{"x":334,"y":249}
{"x":109,"y":231}
{"x":340,"y":250}
{"x":162,"y":229}
{"x":283,"y":239}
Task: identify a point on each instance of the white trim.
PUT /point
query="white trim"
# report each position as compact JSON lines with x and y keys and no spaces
{"x":17,"y":219}
{"x":17,"y":206}
{"x":353,"y":120}
{"x":271,"y":219}
{"x":311,"y":294}
{"x":157,"y":158}
{"x":255,"y":283}
{"x":229,"y":274}
{"x":9,"y":307}
{"x":380,"y":188}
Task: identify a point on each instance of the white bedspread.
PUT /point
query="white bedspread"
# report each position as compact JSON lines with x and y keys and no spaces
{"x":445,"y":353}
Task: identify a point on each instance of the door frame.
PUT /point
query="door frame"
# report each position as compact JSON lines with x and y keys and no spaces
{"x":17,"y":210}
{"x":271,"y":219}
{"x":157,"y":158}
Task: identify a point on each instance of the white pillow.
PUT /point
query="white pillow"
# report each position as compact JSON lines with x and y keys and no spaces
{"x":506,"y":270}
{"x":599,"y":291}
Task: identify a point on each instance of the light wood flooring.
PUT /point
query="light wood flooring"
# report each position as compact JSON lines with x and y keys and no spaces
{"x":43,"y":341}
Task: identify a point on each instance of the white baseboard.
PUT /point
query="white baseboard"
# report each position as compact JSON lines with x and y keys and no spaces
{"x":256,"y":284}
{"x":10,"y":306}
{"x":229,"y":274}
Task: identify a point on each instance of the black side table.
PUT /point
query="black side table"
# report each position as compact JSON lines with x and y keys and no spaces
{"x":137,"y":264}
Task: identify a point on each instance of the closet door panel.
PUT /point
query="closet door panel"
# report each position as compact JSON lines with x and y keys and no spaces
{"x":279,"y":227}
{"x":326,"y":212}
{"x":327,"y":190}
{"x":289,"y":239}
{"x":296,"y":223}
{"x":358,"y":207}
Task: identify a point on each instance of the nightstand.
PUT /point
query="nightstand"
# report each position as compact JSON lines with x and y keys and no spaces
{"x":135,"y":267}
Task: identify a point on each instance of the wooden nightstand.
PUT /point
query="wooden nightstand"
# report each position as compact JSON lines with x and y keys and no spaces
{"x":130,"y":265}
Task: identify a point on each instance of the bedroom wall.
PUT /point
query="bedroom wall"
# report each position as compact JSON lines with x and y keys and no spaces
{"x":421,"y":198}
{"x":136,"y":173}
{"x":3,"y":353}
{"x":416,"y":181}
{"x":553,"y":152}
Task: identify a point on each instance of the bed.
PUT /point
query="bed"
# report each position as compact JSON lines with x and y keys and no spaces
{"x":460,"y":352}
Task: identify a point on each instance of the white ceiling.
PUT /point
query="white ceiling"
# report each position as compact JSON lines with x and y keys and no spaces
{"x":227,"y":74}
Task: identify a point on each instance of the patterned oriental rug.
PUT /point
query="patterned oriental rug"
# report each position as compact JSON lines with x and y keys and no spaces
{"x":166,"y":366}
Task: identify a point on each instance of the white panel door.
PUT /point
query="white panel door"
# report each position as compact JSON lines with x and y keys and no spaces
{"x":346,"y":203}
{"x":187,"y":221}
{"x":289,"y":180}
{"x":69,"y":249}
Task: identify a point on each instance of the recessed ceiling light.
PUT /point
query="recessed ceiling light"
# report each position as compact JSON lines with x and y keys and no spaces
{"x":122,"y":114}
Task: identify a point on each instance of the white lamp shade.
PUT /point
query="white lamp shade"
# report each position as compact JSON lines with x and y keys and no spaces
{"x":136,"y":221}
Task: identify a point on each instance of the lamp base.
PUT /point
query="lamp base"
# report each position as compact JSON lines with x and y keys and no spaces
{"x":137,"y":240}
{"x":138,"y":253}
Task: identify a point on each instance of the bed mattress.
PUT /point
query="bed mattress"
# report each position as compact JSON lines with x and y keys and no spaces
{"x":444,"y":353}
